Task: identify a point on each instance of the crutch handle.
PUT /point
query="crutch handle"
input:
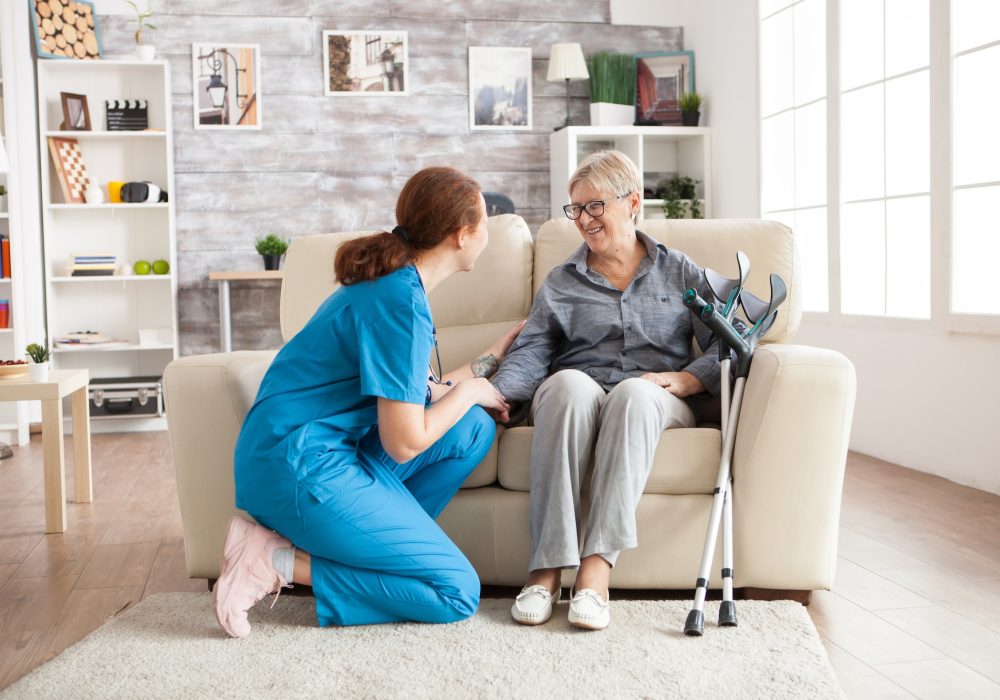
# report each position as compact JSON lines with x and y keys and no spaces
{"x":716,"y":322}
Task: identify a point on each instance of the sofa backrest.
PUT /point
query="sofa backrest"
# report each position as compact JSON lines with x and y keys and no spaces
{"x":471,"y":309}
{"x":710,"y":243}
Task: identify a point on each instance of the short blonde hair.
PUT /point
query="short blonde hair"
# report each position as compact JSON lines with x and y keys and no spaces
{"x":611,"y":172}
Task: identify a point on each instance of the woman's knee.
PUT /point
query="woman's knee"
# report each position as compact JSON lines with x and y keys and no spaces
{"x":569,"y":389}
{"x":474,"y":433}
{"x":459,"y":589}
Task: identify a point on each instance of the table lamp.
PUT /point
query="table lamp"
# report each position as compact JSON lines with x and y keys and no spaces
{"x":566,"y":63}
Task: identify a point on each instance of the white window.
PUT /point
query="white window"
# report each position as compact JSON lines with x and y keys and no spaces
{"x":975,"y":246}
{"x":885,"y":158}
{"x":793,"y":132}
{"x":914,"y":171}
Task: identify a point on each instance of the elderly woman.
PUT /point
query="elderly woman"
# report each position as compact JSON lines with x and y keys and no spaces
{"x":606,"y":360}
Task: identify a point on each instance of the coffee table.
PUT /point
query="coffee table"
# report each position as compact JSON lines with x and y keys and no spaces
{"x":61,"y":383}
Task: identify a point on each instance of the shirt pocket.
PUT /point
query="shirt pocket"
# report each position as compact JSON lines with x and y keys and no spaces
{"x":665,"y":321}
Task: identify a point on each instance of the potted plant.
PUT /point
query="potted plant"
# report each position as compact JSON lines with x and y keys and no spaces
{"x":38,"y":369}
{"x":143,"y":52}
{"x":3,"y":198}
{"x":679,"y":196}
{"x":690,"y":104}
{"x":612,"y":89}
{"x":271,"y":248}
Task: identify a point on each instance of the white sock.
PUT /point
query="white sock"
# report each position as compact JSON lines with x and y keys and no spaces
{"x":283,"y":561}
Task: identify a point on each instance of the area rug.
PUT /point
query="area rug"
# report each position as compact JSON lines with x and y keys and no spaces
{"x":170,"y":646}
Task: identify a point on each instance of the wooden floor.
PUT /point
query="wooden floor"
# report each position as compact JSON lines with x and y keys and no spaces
{"x":915,"y":610}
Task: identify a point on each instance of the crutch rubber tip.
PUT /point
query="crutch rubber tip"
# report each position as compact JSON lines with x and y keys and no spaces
{"x":727,"y":614}
{"x":695,"y":625}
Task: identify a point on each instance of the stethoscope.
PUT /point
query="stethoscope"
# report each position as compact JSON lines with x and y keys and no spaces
{"x":436,"y":376}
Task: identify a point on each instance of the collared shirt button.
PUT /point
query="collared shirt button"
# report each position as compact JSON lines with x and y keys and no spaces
{"x":624,"y":300}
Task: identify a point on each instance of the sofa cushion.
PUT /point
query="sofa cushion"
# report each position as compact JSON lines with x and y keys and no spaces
{"x":686,"y":461}
{"x":710,"y":243}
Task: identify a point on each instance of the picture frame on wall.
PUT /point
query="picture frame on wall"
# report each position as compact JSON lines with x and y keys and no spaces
{"x":76,"y":114}
{"x":661,"y":78}
{"x":226,"y":84}
{"x":369,"y":62}
{"x":499,"y":88}
{"x":65,"y":29}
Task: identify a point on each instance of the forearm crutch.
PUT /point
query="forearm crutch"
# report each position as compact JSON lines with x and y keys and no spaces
{"x":762,"y":316}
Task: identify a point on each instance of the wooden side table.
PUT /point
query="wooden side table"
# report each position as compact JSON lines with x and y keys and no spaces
{"x":224,"y":277}
{"x":62,"y":383}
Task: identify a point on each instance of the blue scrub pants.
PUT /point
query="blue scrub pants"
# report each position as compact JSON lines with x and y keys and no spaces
{"x":377,"y":554}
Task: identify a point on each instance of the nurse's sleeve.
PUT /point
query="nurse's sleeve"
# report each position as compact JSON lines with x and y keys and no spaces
{"x":394,"y":351}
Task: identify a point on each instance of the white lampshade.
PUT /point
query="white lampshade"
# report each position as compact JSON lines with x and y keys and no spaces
{"x":4,"y":163}
{"x":566,"y":63}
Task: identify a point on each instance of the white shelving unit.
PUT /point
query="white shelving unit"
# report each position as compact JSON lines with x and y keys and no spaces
{"x":118,"y":306}
{"x":19,"y":219}
{"x":684,"y":150}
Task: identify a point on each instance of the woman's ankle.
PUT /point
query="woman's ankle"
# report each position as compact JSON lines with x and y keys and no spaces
{"x":550,"y":578}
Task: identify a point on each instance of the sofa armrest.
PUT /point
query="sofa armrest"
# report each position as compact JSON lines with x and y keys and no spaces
{"x":207,"y":398}
{"x":788,"y":466}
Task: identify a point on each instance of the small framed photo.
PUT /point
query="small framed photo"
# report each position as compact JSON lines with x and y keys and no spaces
{"x":368,"y":62}
{"x":499,"y":88}
{"x":65,"y":29}
{"x":661,"y":79}
{"x":76,"y":114}
{"x":226,"y":80}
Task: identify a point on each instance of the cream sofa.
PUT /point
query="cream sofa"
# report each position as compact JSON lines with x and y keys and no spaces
{"x":789,"y":456}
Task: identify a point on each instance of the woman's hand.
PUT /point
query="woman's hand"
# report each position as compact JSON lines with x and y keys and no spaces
{"x":680,"y":384}
{"x":486,"y":395}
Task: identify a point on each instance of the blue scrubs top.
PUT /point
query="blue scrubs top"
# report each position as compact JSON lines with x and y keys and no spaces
{"x":319,"y":396}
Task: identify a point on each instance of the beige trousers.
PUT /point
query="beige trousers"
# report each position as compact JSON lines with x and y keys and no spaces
{"x":578,"y":424}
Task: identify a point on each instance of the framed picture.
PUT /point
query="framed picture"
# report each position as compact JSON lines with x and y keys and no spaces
{"x":499,"y":88}
{"x":660,"y":80}
{"x":370,"y":61}
{"x":76,"y":115}
{"x":70,"y":169}
{"x":65,"y":29}
{"x":226,"y":83}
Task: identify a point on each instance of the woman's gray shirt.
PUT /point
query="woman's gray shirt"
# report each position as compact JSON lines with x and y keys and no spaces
{"x":581,"y":321}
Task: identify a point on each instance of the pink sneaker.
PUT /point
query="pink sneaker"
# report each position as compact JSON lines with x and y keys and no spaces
{"x":246,"y":574}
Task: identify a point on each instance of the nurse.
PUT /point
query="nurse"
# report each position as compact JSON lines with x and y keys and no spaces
{"x":351,"y":450}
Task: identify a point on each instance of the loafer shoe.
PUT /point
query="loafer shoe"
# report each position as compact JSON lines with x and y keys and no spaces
{"x":533,"y":605}
{"x":588,"y":610}
{"x":247,"y":574}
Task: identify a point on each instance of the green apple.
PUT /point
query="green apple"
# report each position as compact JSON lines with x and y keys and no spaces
{"x":141,"y":267}
{"x":161,"y":267}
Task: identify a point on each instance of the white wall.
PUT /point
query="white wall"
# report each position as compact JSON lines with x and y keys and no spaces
{"x":927,"y":399}
{"x":723,"y":36}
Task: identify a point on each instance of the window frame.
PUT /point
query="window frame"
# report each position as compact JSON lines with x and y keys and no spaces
{"x":941,"y":81}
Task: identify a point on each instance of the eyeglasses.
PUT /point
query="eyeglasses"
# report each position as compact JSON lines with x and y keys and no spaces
{"x":595,"y":208}
{"x":436,"y":376}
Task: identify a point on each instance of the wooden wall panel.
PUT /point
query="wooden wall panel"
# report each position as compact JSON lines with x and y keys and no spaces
{"x":322,"y":164}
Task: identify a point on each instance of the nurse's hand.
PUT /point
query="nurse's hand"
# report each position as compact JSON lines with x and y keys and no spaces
{"x":486,"y":395}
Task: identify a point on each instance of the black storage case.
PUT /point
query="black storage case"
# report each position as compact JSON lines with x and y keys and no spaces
{"x":126,"y":397}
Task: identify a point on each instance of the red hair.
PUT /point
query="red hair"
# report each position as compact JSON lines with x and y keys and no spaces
{"x":434,"y":203}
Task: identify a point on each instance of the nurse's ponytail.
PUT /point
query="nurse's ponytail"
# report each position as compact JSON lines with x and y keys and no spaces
{"x":434,"y":203}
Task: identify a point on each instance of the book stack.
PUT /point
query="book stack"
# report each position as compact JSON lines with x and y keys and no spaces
{"x":93,"y":265}
{"x":4,"y":256}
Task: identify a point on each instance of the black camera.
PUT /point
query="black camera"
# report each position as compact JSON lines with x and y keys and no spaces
{"x":142,"y":192}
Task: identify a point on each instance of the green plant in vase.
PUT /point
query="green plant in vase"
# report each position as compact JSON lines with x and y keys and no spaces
{"x":143,"y":52}
{"x":612,"y":89}
{"x":690,"y":104}
{"x":39,"y":354}
{"x":271,"y":248}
